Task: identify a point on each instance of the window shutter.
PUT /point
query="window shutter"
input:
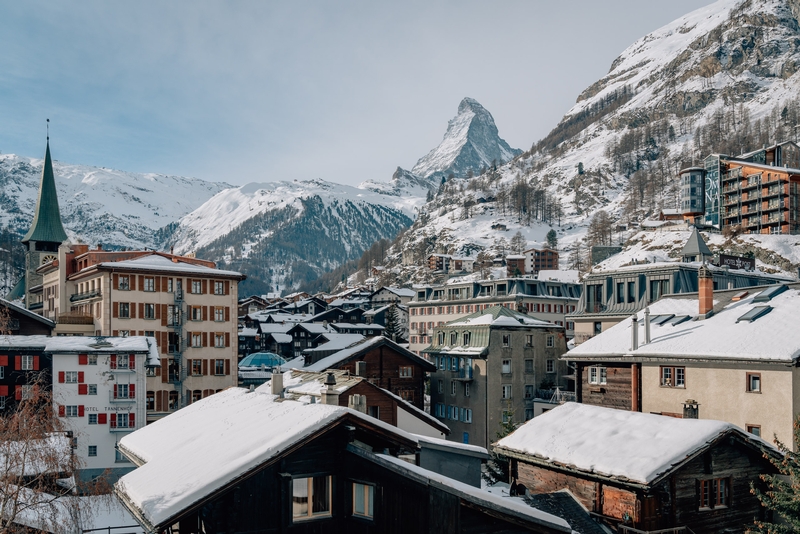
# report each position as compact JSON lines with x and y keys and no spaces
{"x":113,"y":423}
{"x":3,"y":391}
{"x":227,"y":367}
{"x":62,"y":411}
{"x":157,"y":283}
{"x":164,"y":341}
{"x":80,"y":410}
{"x":141,"y":332}
{"x":132,"y":420}
{"x":83,"y":389}
{"x":189,"y":285}
{"x":18,"y":362}
{"x":158,"y":311}
{"x":112,"y":362}
{"x":35,"y":363}
{"x":115,"y":310}
{"x":116,"y":281}
{"x":227,"y":339}
{"x":61,"y":377}
{"x":132,"y":390}
{"x":133,"y":282}
{"x":158,"y":401}
{"x":132,"y":308}
{"x":164,"y":284}
{"x":18,"y":392}
{"x":80,"y":377}
{"x":102,"y":419}
{"x":3,"y":361}
{"x":205,"y":367}
{"x":115,"y":391}
{"x":158,"y":371}
{"x":83,"y":359}
{"x":163,"y":315}
{"x":205,"y":339}
{"x":132,"y":361}
{"x":205,"y":313}
{"x":227,"y":288}
{"x":115,"y":333}
{"x":141,"y":282}
{"x":141,"y":310}
{"x":204,"y":290}
{"x":227,"y":313}
{"x":164,"y":370}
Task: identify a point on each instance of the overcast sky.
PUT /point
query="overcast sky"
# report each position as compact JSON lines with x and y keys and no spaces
{"x":261,"y":91}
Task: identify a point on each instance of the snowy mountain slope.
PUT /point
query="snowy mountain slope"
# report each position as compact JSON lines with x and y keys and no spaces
{"x":101,"y":205}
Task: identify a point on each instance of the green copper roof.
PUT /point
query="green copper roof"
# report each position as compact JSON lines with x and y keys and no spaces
{"x":695,"y":246}
{"x":46,"y":224}
{"x":18,"y":291}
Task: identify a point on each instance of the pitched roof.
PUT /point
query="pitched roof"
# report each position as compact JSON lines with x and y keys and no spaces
{"x":24,"y":311}
{"x":633,"y":447}
{"x":157,"y":262}
{"x":370,"y":343}
{"x":695,"y":246}
{"x":46,"y":225}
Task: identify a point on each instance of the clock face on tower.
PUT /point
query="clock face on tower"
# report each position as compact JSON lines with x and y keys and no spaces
{"x":48,"y":258}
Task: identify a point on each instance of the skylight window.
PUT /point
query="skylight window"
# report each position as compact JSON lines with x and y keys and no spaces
{"x":755,"y":313}
{"x":680,"y":319}
{"x":661,"y":319}
{"x":767,"y":294}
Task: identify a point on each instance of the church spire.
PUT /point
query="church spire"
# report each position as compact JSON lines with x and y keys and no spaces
{"x":46,"y":226}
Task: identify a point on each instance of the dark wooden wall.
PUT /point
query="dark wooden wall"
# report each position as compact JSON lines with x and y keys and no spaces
{"x":387,"y":405}
{"x":615,"y":394}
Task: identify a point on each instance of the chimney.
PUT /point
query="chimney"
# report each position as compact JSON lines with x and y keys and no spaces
{"x":361,"y":369}
{"x":705,"y":282}
{"x":691,"y":409}
{"x":358,"y":403}
{"x":329,"y":393}
{"x":277,"y":382}
{"x":634,"y":332}
{"x":646,"y":325}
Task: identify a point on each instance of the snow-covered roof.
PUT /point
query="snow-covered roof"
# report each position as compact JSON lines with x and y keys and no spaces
{"x":86,"y":344}
{"x":221,"y":426}
{"x":637,"y":447}
{"x":399,"y":291}
{"x":71,"y":514}
{"x":281,"y":338}
{"x":336,"y":342}
{"x":248,"y":332}
{"x":568,"y":276}
{"x":269,"y":328}
{"x":443,"y":443}
{"x":342,"y":355}
{"x":155,"y":262}
{"x":24,"y":311}
{"x":499,"y":316}
{"x":773,"y":336}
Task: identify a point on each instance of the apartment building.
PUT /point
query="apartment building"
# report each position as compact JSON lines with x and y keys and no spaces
{"x":435,"y":305}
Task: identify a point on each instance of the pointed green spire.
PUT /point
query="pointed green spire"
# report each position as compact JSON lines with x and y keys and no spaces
{"x":46,"y":224}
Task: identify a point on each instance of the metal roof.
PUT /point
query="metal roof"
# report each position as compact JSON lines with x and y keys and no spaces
{"x":46,"y":224}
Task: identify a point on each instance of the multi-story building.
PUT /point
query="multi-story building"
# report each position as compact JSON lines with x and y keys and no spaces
{"x":23,"y":363}
{"x":490,"y":366}
{"x":435,"y":305}
{"x":544,"y":259}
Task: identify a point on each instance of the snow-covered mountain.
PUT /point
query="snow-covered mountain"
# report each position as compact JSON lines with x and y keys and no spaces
{"x":723,"y":78}
{"x":101,"y":205}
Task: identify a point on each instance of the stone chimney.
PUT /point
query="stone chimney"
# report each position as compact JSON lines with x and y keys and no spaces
{"x":329,"y":393}
{"x":634,"y":332}
{"x":277,"y":382}
{"x":705,"y":282}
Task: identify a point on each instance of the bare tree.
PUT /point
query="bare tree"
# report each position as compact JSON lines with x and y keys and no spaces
{"x":518,"y":243}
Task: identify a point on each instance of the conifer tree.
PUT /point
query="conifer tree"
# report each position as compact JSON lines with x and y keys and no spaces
{"x":497,"y":468}
{"x":392,"y":328}
{"x":552,"y":239}
{"x":782,"y":494}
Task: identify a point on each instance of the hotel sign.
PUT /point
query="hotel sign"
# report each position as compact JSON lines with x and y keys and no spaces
{"x":737,"y":262}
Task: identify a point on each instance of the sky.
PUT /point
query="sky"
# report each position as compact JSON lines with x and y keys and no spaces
{"x":258,"y":91}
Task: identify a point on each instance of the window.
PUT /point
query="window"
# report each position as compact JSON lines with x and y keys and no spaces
{"x":151,"y":400}
{"x":26,"y":362}
{"x":92,"y":418}
{"x":507,"y":416}
{"x":197,"y":395}
{"x":714,"y":493}
{"x":754,"y":382}
{"x":219,"y":288}
{"x":197,"y":313}
{"x":92,"y":389}
{"x":124,"y":333}
{"x":219,"y":367}
{"x":465,"y":415}
{"x":124,"y":282}
{"x":121,"y":362}
{"x":631,"y":292}
{"x":551,"y":342}
{"x":197,"y":340}
{"x":506,"y":340}
{"x":26,"y":391}
{"x":528,"y":391}
{"x":528,"y":414}
{"x":92,"y":450}
{"x":71,"y":411}
{"x":406,"y":371}
{"x":466,"y":389}
{"x":122,"y":391}
{"x":506,"y":367}
{"x":169,"y":285}
{"x":219,"y":340}
{"x":71,"y":377}
{"x":528,"y":340}
{"x":620,"y":292}
{"x":119,"y":457}
{"x":598,"y":375}
{"x":673,"y":377}
{"x":453,"y":338}
{"x":452,"y":387}
{"x":528,"y":366}
{"x":311,"y":497}
{"x":197,"y":287}
{"x":440,"y":410}
{"x":93,"y":359}
{"x":149,"y":311}
{"x":506,"y":391}
{"x":197,"y":367}
{"x":149,"y":284}
{"x":754,"y":429}
{"x":467,"y":336}
{"x":551,"y":366}
{"x":219,"y":314}
{"x":363,"y":498}
{"x":124,"y":310}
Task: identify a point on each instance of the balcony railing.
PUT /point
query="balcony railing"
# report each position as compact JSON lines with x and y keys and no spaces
{"x":464,"y":374}
{"x":87,"y":295}
{"x":75,"y":318}
{"x":112,"y":398}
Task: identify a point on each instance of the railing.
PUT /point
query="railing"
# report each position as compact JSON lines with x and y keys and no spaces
{"x":465,"y":373}
{"x":623,"y":529}
{"x":75,"y":318}
{"x":87,"y":295}
{"x":112,"y":398}
{"x":595,"y":307}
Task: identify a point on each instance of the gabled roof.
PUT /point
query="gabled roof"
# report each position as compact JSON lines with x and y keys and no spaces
{"x":695,"y":246}
{"x":46,"y":225}
{"x":157,"y":262}
{"x":359,"y":349}
{"x":18,"y":291}
{"x":631,"y":447}
{"x":27,"y":313}
{"x":335,"y":342}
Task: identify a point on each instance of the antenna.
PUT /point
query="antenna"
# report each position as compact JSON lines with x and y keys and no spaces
{"x":48,"y":130}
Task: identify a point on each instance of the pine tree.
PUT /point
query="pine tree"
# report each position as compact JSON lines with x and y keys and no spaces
{"x":497,"y":468}
{"x":783,"y":491}
{"x":392,"y":328}
{"x":552,"y":239}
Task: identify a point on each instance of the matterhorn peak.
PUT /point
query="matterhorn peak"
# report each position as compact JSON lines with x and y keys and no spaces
{"x":471,"y":143}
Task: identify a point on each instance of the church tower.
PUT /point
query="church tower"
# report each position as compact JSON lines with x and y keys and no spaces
{"x":46,"y":232}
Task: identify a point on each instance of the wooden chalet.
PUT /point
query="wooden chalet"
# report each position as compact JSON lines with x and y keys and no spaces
{"x":643,"y":471}
{"x":310,"y":468}
{"x":22,"y":322}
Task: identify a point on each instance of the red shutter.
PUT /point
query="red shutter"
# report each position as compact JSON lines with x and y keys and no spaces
{"x":157,"y":283}
{"x":205,"y":367}
{"x":83,"y":389}
{"x":205,"y":339}
{"x":35,"y":363}
{"x":158,"y":311}
{"x":132,"y":307}
{"x":102,"y":419}
{"x":18,"y":362}
{"x":115,"y":309}
{"x":83,"y":359}
{"x":163,"y":315}
{"x":132,"y":361}
{"x":133,"y":282}
{"x":61,"y":377}
{"x":164,"y":370}
{"x":18,"y":392}
{"x":227,"y":367}
{"x":158,"y":401}
{"x":80,"y":410}
{"x":116,"y":281}
{"x":227,"y":288}
{"x":3,"y":361}
{"x":141,"y":282}
{"x":227,"y":339}
{"x":205,"y":287}
{"x":164,"y":284}
{"x":113,"y":361}
{"x":205,"y":313}
{"x":158,"y":371}
{"x":141,"y":310}
{"x":115,"y":391}
{"x":227,"y":313}
{"x":132,"y":391}
{"x":3,"y":391}
{"x":62,"y":411}
{"x":132,"y":420}
{"x":113,"y":423}
{"x":80,"y":377}
{"x":115,"y":333}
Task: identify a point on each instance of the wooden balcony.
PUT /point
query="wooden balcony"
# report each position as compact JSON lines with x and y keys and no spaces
{"x":75,"y":318}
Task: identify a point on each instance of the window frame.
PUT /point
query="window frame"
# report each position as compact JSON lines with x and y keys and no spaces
{"x":219,"y":287}
{"x":673,"y":371}
{"x":550,"y":342}
{"x":149,"y":284}
{"x":749,"y":384}
{"x":506,"y":391}
{"x":219,"y":367}
{"x":406,"y":371}
{"x":506,"y":366}
{"x":124,"y":310}
{"x":310,"y":514}
{"x":711,"y":490}
{"x":26,"y":362}
{"x":367,"y":501}
{"x":751,"y":428}
{"x":550,"y":366}
{"x":149,"y":311}
{"x":506,"y":341}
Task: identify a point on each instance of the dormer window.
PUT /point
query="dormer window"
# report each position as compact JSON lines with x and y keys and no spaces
{"x":454,"y":338}
{"x":467,"y":337}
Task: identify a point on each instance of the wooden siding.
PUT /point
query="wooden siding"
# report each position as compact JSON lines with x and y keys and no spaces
{"x":616,"y":393}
